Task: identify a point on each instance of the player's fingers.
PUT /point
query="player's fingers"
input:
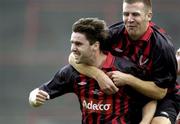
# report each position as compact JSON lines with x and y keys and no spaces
{"x":44,"y":94}
{"x":108,"y":91}
{"x":115,"y":89}
{"x":113,"y":77}
{"x":39,"y":100}
{"x":40,"y":96}
{"x":110,"y":74}
{"x":111,"y":90}
{"x":38,"y":103}
{"x":35,"y":98}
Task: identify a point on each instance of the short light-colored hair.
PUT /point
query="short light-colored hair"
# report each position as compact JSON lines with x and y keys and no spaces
{"x":93,"y":28}
{"x":147,"y":3}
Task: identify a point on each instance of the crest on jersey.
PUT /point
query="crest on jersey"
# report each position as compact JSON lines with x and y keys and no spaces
{"x":82,"y":83}
{"x":141,"y":61}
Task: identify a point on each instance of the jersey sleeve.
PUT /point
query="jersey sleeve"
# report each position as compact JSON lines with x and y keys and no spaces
{"x":164,"y":64}
{"x":115,"y":31}
{"x":61,"y":83}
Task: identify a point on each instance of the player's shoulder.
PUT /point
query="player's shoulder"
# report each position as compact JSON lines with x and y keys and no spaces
{"x":115,"y":32}
{"x":67,"y":71}
{"x":66,"y":68}
{"x":161,"y":38}
{"x":119,"y":26}
{"x":160,"y":33}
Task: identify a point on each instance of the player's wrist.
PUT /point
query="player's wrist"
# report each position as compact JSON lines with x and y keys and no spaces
{"x":130,"y":79}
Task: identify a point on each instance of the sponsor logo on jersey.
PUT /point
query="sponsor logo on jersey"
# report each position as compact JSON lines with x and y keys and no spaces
{"x":98,"y":107}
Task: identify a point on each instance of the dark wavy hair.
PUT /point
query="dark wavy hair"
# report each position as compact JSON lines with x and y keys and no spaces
{"x":94,"y":29}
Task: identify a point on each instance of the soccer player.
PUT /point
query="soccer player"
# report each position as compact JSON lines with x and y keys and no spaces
{"x":151,"y":49}
{"x":178,"y":72}
{"x":87,"y":46}
{"x":178,"y":60}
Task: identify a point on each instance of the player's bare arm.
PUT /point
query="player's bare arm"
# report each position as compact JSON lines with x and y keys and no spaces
{"x":148,"y":112}
{"x":38,"y":97}
{"x":105,"y":83}
{"x":148,"y":88}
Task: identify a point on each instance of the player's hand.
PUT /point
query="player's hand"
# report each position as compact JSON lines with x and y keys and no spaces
{"x":106,"y":84}
{"x":119,"y":78}
{"x":38,"y":97}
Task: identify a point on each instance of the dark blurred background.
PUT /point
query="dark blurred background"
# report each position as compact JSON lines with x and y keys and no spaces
{"x":34,"y":43}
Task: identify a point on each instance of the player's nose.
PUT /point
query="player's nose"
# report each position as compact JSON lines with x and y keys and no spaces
{"x":73,"y":48}
{"x":130,"y":18}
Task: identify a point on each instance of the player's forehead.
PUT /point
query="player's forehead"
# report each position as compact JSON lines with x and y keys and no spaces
{"x":137,"y":7}
{"x":78,"y":37}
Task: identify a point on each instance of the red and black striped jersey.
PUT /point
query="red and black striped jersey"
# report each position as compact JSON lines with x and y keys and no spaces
{"x":153,"y":52}
{"x":96,"y":106}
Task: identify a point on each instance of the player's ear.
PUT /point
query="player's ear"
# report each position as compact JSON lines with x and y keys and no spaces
{"x":149,"y":15}
{"x":96,"y":45}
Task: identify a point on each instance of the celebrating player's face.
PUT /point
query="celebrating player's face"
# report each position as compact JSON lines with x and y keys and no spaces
{"x":81,"y":48}
{"x":136,"y":19}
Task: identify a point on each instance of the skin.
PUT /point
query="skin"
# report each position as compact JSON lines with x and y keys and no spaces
{"x":83,"y":52}
{"x":38,"y":97}
{"x":178,"y":60}
{"x":80,"y":47}
{"x":97,"y":74}
{"x":136,"y":19}
{"x":148,"y":112}
{"x":160,"y":120}
{"x":178,"y":71}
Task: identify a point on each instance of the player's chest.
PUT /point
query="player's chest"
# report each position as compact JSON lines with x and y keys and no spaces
{"x":87,"y":87}
{"x":139,"y":53}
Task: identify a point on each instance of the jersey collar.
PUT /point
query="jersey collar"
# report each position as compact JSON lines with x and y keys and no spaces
{"x":109,"y":61}
{"x":146,"y":36}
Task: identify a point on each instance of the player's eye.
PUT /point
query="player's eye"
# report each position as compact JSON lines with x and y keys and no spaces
{"x":125,"y":14}
{"x":135,"y":14}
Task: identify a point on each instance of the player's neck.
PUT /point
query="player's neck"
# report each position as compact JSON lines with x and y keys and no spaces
{"x":100,"y":60}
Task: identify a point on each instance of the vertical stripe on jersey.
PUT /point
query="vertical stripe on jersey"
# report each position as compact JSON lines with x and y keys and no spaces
{"x":119,"y":102}
{"x":92,"y":118}
{"x":103,"y":115}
